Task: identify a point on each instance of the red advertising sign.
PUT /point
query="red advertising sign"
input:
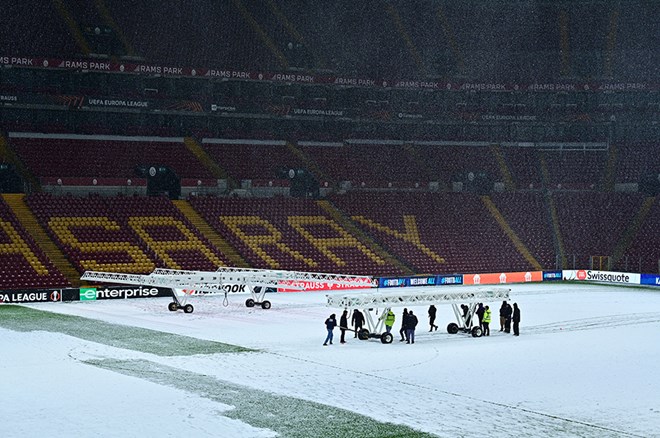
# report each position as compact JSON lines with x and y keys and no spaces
{"x":503,"y":277}
{"x":313,"y":286}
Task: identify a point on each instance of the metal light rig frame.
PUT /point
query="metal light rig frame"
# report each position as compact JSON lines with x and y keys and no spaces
{"x":258,"y":281}
{"x":422,"y":295}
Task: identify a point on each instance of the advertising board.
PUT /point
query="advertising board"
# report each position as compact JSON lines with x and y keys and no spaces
{"x":30,"y":296}
{"x":650,"y":279}
{"x":552,"y":275}
{"x":601,"y":276}
{"x":427,"y":280}
{"x":118,"y":292}
{"x":443,"y":280}
{"x":312,"y":286}
{"x":503,"y":277}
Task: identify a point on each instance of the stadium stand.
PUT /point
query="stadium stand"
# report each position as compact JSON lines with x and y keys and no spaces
{"x":124,"y":234}
{"x":452,"y":161}
{"x":82,"y":156}
{"x":23,"y":265}
{"x":293,"y":233}
{"x":643,"y":254}
{"x":635,"y":160}
{"x":235,"y":44}
{"x":575,"y":169}
{"x":502,"y":145}
{"x":528,"y":215}
{"x":394,"y":41}
{"x":525,"y":167}
{"x":38,"y":32}
{"x":593,"y":223}
{"x":369,"y":163}
{"x":434,"y":233}
{"x":252,"y":159}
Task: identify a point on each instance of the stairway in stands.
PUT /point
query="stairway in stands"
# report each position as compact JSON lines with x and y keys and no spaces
{"x":513,"y":237}
{"x":8,"y":154}
{"x":349,"y":225}
{"x":27,"y":219}
{"x":505,"y":172}
{"x":208,"y":232}
{"x":558,"y":239}
{"x":633,"y":228}
{"x":308,"y":162}
{"x":198,"y":151}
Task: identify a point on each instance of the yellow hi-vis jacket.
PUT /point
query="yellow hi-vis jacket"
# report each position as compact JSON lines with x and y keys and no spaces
{"x":486,"y":317}
{"x":389,"y":320}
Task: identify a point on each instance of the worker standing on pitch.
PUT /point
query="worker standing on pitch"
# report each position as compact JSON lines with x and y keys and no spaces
{"x":402,"y":332}
{"x":508,"y":311}
{"x":330,"y":324}
{"x":358,"y":321}
{"x":410,"y":328}
{"x":466,"y":315}
{"x":480,"y":315}
{"x":343,"y":324}
{"x":389,"y":320}
{"x":503,"y":315}
{"x":432,"y":312}
{"x":516,"y":320}
{"x":486,"y":321}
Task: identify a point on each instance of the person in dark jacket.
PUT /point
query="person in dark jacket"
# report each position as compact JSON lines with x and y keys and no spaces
{"x":432,"y":312}
{"x":507,"y":318}
{"x":343,"y":325}
{"x":503,"y":315}
{"x":410,"y":328}
{"x":402,"y":332}
{"x":466,"y":317}
{"x":516,"y":320}
{"x":330,"y":324}
{"x":357,"y":320}
{"x":480,"y":314}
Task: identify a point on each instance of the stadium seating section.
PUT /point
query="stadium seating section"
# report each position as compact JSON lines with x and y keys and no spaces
{"x":111,"y":158}
{"x":371,"y":233}
{"x":124,"y":234}
{"x":575,"y":169}
{"x":528,"y":215}
{"x":288,"y":233}
{"x":371,"y":164}
{"x":23,"y":265}
{"x":557,"y":205}
{"x":252,"y":161}
{"x":593,"y":223}
{"x":643,"y":255}
{"x":394,"y":41}
{"x":635,"y":160}
{"x":104,"y":157}
{"x":435,"y":233}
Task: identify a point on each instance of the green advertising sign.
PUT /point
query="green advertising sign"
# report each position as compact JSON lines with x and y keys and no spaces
{"x":87,"y":293}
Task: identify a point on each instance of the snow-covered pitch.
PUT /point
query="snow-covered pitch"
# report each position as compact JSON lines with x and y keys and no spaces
{"x":587,"y":364}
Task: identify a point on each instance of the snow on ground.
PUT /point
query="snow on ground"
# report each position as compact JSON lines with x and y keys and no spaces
{"x":585,"y":364}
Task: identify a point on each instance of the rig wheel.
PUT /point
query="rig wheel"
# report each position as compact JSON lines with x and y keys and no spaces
{"x":265,"y":305}
{"x":477,"y":332}
{"x":386,"y":338}
{"x":363,"y":334}
{"x":452,"y":328}
{"x":172,"y":307}
{"x":188,"y":308}
{"x":249,"y":302}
